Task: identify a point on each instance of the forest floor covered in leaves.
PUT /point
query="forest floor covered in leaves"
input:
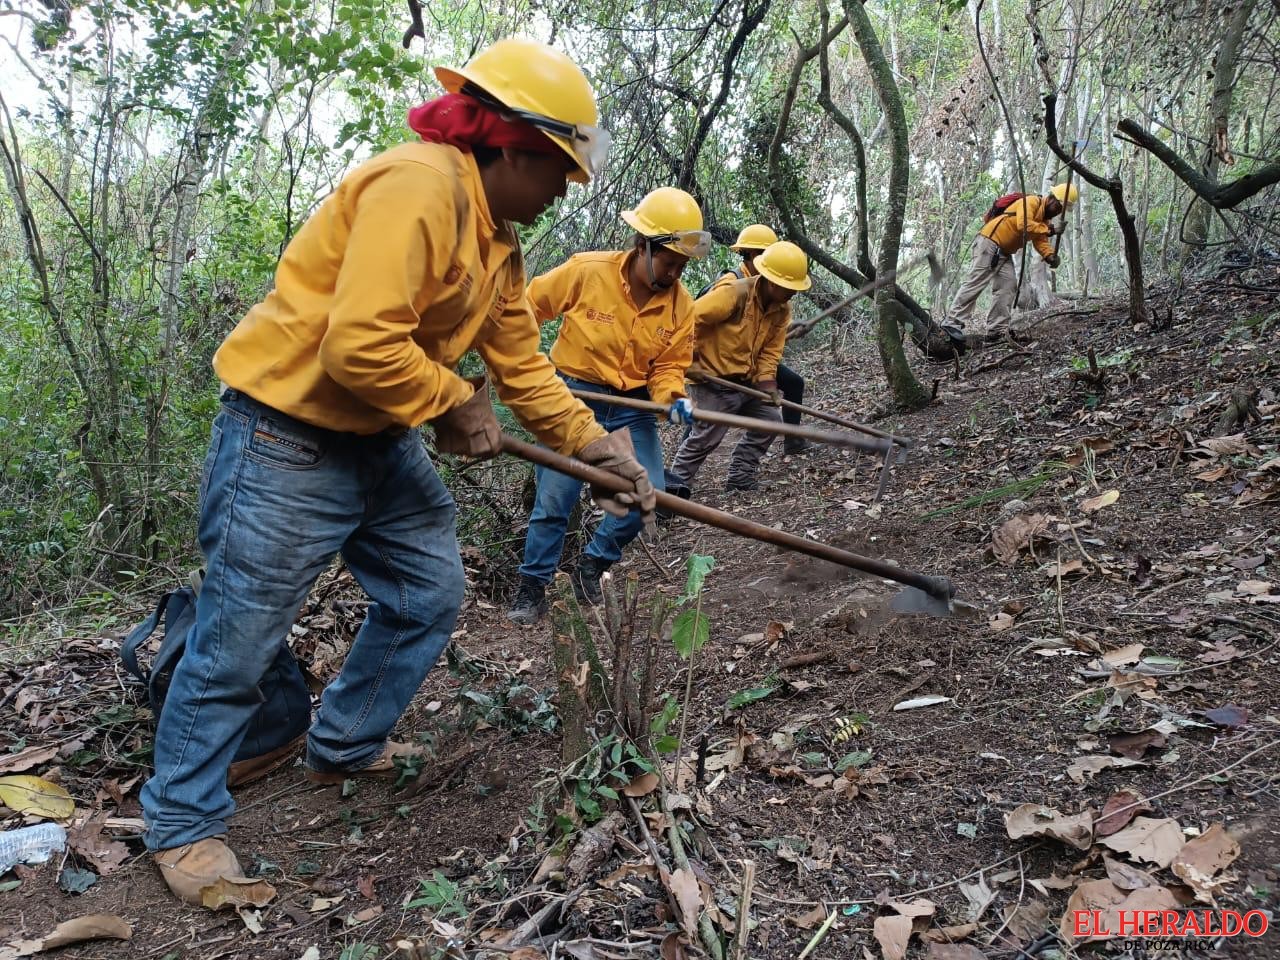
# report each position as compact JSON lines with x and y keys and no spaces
{"x":1102,"y":733}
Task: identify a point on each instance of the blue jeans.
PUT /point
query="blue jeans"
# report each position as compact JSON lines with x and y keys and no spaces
{"x":557,"y":494}
{"x":278,"y":499}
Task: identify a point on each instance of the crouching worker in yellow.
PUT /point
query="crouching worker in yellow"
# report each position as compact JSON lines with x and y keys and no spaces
{"x":741,"y":330}
{"x":409,"y":263}
{"x":627,"y":331}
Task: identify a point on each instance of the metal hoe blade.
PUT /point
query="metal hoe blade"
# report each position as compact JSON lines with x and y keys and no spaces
{"x":913,"y":600}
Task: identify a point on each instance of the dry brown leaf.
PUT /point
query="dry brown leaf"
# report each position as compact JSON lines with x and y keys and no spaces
{"x":1134,"y":745}
{"x":1094,"y":504}
{"x":892,"y":933}
{"x":1118,"y":811}
{"x":237,"y":892}
{"x":1063,"y":569}
{"x":955,"y":951}
{"x":1217,"y":473}
{"x":1016,"y":534}
{"x":106,"y":855}
{"x":683,"y":885}
{"x":1103,"y":896}
{"x":24,"y":760}
{"x":950,"y":934}
{"x":916,"y":908}
{"x":1222,"y":652}
{"x":1027,"y":921}
{"x":93,"y":926}
{"x":807,"y":921}
{"x":979,"y":896}
{"x":1254,"y":588}
{"x":672,"y":947}
{"x":627,"y":870}
{"x":1203,"y":858}
{"x":1148,"y":840}
{"x":1123,"y":656}
{"x":1000,"y":623}
{"x":1034,"y":820}
{"x":1084,"y":768}
{"x":1127,"y":877}
{"x":365,"y":915}
{"x":642,"y":785}
{"x":1225,"y":446}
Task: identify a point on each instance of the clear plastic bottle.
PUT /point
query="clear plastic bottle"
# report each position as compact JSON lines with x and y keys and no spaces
{"x":31,"y":844}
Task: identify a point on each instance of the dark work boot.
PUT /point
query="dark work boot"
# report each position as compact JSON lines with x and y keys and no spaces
{"x":791,"y":446}
{"x":586,"y":579}
{"x":530,"y":602}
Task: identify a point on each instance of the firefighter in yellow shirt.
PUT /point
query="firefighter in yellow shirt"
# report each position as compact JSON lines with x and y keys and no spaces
{"x":991,"y":256}
{"x":409,"y":263}
{"x":741,"y":328}
{"x":627,"y":330}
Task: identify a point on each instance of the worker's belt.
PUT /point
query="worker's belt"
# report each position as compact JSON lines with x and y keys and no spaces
{"x":248,"y":405}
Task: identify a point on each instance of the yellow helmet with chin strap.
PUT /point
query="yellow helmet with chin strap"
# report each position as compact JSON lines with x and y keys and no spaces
{"x":755,"y":237}
{"x":671,"y":218}
{"x":543,"y":87}
{"x":785,"y":264}
{"x":1065,"y":194}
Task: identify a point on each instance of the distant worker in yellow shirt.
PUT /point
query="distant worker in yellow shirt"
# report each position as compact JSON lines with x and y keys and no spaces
{"x":627,"y":331}
{"x":741,"y":329}
{"x":409,"y":263}
{"x":1010,"y":223}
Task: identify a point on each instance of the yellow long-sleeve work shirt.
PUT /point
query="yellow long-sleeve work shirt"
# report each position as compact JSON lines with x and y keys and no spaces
{"x":736,"y":336}
{"x":397,"y":274}
{"x":1023,"y":220}
{"x":604,"y":337}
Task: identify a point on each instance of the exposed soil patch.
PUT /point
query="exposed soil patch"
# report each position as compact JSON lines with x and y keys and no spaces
{"x":1184,"y":561}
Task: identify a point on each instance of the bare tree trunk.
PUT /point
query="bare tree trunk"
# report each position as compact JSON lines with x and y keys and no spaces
{"x":907,"y":391}
{"x":1224,"y":81}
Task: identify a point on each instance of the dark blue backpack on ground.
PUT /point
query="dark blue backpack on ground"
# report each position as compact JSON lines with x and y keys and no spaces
{"x":285,"y":712}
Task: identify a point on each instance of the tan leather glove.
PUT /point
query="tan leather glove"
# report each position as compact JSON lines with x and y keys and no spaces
{"x":771,"y":388}
{"x":470,"y":428}
{"x":616,"y":454}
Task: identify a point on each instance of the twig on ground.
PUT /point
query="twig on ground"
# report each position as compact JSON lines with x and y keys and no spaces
{"x":744,"y":908}
{"x":817,"y":936}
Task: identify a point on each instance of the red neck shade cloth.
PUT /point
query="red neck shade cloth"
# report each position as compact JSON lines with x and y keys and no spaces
{"x":464,"y":122}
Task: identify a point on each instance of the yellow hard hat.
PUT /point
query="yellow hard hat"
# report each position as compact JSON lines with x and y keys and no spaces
{"x":755,"y":237}
{"x":541,"y":86}
{"x":785,"y":264}
{"x":1065,"y":194}
{"x":671,"y":218}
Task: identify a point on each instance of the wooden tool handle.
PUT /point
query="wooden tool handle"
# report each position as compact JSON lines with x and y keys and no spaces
{"x":746,"y":423}
{"x":801,"y":408}
{"x":936,"y":586}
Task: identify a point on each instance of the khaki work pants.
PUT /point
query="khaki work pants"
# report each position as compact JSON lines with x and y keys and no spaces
{"x":988,"y":263}
{"x":705,"y":437}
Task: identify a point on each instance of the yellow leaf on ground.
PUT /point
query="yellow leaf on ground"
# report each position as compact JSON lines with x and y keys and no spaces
{"x":36,"y":797}
{"x":1094,"y":504}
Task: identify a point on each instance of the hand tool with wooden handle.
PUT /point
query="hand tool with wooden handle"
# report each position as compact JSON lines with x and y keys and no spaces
{"x":746,"y":423}
{"x":922,"y":593}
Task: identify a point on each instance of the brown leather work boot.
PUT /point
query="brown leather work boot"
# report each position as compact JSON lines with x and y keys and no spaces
{"x":255,"y":768}
{"x":188,"y":869}
{"x":384,"y":768}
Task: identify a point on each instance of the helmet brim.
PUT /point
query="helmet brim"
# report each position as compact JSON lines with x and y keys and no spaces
{"x":454,"y":79}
